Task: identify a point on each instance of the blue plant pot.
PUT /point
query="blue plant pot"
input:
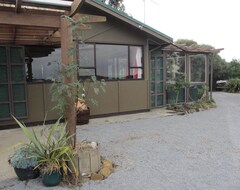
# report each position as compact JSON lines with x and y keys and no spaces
{"x":52,"y":179}
{"x":26,"y":174}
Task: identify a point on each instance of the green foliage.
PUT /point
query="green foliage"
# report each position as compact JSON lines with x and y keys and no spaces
{"x":52,"y":153}
{"x":233,"y":69}
{"x":64,"y":92}
{"x":219,"y":69}
{"x":61,"y":90}
{"x":23,"y":158}
{"x":186,"y":42}
{"x":233,"y":85}
{"x":178,"y":84}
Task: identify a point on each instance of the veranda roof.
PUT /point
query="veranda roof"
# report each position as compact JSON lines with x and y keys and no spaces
{"x":36,"y":22}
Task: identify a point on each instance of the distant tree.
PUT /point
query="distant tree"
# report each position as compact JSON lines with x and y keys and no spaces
{"x":219,"y":69}
{"x":233,"y":69}
{"x":118,"y":4}
{"x":186,"y":42}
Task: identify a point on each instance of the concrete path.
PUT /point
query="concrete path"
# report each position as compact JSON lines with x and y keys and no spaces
{"x":195,"y":151}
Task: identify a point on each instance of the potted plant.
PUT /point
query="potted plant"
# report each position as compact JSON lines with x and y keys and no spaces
{"x":83,"y":97}
{"x":24,"y":163}
{"x":53,"y":152}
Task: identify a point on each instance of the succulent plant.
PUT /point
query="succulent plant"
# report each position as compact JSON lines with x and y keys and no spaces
{"x":23,"y":158}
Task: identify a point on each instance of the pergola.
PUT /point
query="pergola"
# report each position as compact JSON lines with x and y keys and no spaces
{"x":195,"y":50}
{"x":36,"y":23}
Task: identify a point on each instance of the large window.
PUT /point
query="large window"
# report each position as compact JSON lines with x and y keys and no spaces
{"x":175,"y":68}
{"x":111,"y":62}
{"x":175,"y":73}
{"x":12,"y":82}
{"x":86,"y":60}
{"x":197,"y":68}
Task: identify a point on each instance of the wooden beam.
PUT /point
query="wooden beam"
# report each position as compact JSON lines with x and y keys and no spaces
{"x":76,"y":4}
{"x":25,"y":19}
{"x":14,"y":33}
{"x":85,"y":18}
{"x":18,"y":6}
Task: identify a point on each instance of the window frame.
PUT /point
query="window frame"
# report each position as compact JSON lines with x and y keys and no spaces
{"x":11,"y":102}
{"x":205,"y":69}
{"x":128,"y":58}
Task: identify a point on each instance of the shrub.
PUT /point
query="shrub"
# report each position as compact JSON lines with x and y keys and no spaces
{"x":23,"y":158}
{"x":233,"y":85}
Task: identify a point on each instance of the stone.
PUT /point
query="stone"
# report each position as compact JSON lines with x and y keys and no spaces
{"x":107,"y":164}
{"x":105,"y":172}
{"x":96,"y":176}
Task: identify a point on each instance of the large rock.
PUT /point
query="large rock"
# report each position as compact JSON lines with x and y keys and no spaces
{"x":107,"y":164}
{"x":105,"y":172}
{"x":96,"y":176}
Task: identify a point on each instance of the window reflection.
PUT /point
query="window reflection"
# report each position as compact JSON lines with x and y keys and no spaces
{"x":45,"y":67}
{"x":112,"y":61}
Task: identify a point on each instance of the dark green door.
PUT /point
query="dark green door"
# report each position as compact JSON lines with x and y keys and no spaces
{"x":157,"y":70}
{"x":13,"y":98}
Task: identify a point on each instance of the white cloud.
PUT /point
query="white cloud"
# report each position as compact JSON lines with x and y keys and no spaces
{"x":206,"y":21}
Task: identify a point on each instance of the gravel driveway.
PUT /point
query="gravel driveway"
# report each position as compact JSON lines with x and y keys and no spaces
{"x":196,"y":151}
{"x":199,"y":151}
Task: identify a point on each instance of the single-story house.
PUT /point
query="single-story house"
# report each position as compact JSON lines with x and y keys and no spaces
{"x":132,"y":57}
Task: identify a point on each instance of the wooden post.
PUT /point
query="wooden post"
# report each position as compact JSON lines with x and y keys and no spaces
{"x":211,"y":79}
{"x":207,"y":75}
{"x":70,"y":113}
{"x":187,"y":72}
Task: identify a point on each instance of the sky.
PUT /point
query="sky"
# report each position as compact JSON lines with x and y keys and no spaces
{"x":205,"y":21}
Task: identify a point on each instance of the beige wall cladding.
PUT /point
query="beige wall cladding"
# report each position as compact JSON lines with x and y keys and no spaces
{"x":35,"y":102}
{"x":35,"y":105}
{"x":49,"y":112}
{"x":133,"y":95}
{"x":107,"y":102}
{"x":39,"y":105}
{"x":114,"y":33}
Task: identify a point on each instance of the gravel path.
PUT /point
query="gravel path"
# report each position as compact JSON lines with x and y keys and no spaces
{"x":196,"y":151}
{"x":199,"y":151}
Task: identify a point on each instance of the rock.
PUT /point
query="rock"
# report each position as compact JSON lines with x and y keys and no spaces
{"x":96,"y":176}
{"x":105,"y":172}
{"x":107,"y":164}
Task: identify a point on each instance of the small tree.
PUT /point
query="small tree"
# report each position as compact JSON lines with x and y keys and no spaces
{"x":68,"y":88}
{"x":179,"y":84}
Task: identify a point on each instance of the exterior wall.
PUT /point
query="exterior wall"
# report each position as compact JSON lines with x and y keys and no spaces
{"x":39,"y":104}
{"x":114,"y":33}
{"x":121,"y":96}
{"x":133,"y":96}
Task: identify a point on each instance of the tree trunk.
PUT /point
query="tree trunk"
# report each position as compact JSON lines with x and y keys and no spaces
{"x":70,"y":113}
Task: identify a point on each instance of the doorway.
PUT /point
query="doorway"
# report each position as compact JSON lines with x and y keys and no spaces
{"x":157,"y":80}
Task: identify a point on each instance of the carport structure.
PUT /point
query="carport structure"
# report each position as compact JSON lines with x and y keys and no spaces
{"x":30,"y":28}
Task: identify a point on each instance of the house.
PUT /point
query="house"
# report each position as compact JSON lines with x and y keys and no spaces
{"x":131,"y":56}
